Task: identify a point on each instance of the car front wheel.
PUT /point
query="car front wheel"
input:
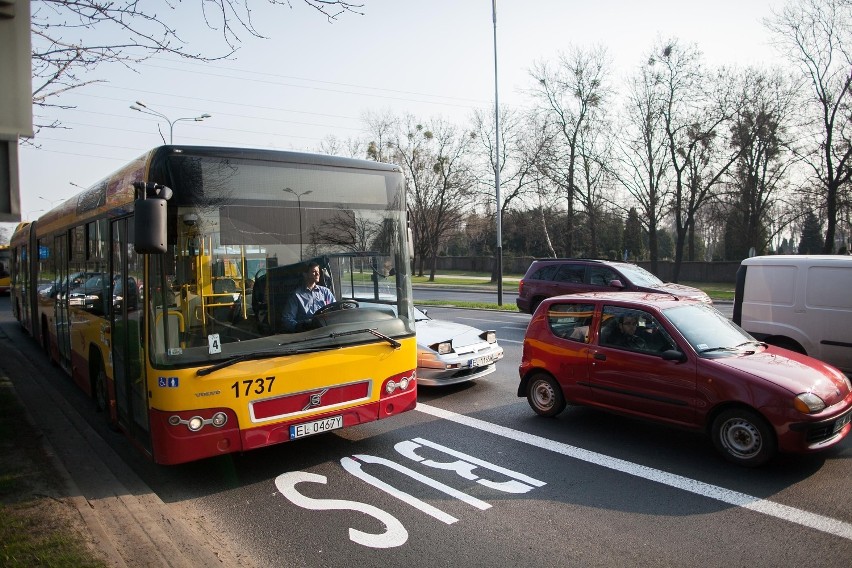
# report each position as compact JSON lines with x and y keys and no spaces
{"x":743,"y":437}
{"x":545,"y":395}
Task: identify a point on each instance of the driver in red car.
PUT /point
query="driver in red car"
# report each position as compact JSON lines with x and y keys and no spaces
{"x":306,"y":300}
{"x":626,"y":336}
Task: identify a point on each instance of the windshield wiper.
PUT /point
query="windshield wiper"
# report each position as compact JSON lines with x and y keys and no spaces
{"x":758,"y":343}
{"x":709,"y":349}
{"x":248,"y":357}
{"x":268,"y":354}
{"x":734,"y":348}
{"x":393,"y":342}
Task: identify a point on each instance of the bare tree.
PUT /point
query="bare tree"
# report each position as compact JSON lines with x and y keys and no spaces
{"x":383,"y":128}
{"x":348,"y":147}
{"x":817,"y":35}
{"x":519,"y":152}
{"x":644,"y":157}
{"x":73,"y":38}
{"x":435,"y":163}
{"x":594,"y":151}
{"x":570,"y":94}
{"x":760,"y":132}
{"x":694,"y":110}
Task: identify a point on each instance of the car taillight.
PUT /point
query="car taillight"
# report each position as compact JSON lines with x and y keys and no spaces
{"x":520,"y":287}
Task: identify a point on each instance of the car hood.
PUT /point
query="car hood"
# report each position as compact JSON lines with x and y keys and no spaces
{"x":794,"y":372}
{"x":680,"y":290}
{"x":435,"y":331}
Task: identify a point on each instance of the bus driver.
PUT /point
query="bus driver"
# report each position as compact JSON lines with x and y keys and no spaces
{"x":306,"y":300}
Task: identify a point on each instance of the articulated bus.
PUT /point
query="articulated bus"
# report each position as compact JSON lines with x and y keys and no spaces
{"x":161,"y":291}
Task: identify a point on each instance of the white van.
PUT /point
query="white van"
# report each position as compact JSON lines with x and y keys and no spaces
{"x":802,"y":303}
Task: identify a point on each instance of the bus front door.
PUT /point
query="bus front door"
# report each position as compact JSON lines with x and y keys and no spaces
{"x":126,"y":310}
{"x":59,"y":292}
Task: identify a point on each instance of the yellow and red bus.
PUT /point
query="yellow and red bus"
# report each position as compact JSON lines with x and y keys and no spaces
{"x":161,"y":290}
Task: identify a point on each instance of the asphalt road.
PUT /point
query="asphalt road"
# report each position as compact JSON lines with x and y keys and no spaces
{"x":473,"y":477}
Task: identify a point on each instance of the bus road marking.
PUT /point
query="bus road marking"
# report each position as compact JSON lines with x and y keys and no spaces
{"x":815,"y":521}
{"x":395,"y":533}
{"x":464,"y":466}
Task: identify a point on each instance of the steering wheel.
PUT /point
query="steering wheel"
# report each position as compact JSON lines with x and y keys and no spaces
{"x":334,"y":306}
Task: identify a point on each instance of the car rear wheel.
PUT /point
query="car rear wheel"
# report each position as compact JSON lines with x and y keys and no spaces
{"x":545,"y":395}
{"x":744,"y":437}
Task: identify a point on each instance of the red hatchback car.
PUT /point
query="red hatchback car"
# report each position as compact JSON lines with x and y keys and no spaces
{"x":681,"y":362}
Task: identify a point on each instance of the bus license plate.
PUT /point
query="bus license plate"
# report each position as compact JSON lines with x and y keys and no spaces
{"x":315,"y":427}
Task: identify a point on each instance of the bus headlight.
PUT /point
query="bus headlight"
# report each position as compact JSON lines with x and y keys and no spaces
{"x":403,"y":384}
{"x":196,"y":423}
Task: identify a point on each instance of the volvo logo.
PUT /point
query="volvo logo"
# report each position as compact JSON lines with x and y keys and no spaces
{"x":315,"y":399}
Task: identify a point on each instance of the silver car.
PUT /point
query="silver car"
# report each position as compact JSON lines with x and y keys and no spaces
{"x":450,"y":353}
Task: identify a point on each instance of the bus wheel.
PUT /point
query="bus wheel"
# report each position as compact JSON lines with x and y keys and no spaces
{"x":45,"y":342}
{"x":101,"y":393}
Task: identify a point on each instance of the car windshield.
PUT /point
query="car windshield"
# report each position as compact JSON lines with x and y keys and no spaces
{"x":639,"y":276}
{"x":707,"y":330}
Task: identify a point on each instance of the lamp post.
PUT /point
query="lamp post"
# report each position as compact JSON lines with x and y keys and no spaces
{"x":299,"y":205}
{"x":497,"y":165}
{"x":145,"y":109}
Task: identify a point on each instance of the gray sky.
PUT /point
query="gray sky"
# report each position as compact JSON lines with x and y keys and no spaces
{"x":312,"y":79}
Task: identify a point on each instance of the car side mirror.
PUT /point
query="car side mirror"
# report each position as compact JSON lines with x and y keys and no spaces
{"x":673,"y":355}
{"x":616,"y":284}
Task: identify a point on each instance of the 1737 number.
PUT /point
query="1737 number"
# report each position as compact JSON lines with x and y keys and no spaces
{"x":256,"y":386}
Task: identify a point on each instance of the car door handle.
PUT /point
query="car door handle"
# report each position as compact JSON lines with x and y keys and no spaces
{"x":600,"y":356}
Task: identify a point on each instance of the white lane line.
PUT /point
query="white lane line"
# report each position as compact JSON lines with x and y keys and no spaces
{"x":791,"y":514}
{"x":504,"y":340}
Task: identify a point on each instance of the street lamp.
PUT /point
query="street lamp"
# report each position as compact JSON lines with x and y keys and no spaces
{"x":299,"y":205}
{"x":497,"y":164}
{"x":145,"y":109}
{"x":52,"y":202}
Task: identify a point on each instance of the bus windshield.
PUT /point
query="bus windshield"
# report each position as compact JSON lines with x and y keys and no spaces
{"x":243,"y":233}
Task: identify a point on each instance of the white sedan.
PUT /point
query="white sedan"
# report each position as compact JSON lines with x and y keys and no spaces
{"x":449,"y":353}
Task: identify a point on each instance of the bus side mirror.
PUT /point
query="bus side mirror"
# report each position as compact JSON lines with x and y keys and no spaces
{"x":149,"y":226}
{"x":149,"y":220}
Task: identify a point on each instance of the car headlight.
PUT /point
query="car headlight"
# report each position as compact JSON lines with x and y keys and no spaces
{"x":490,"y":336}
{"x":808,"y":403}
{"x":443,"y":347}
